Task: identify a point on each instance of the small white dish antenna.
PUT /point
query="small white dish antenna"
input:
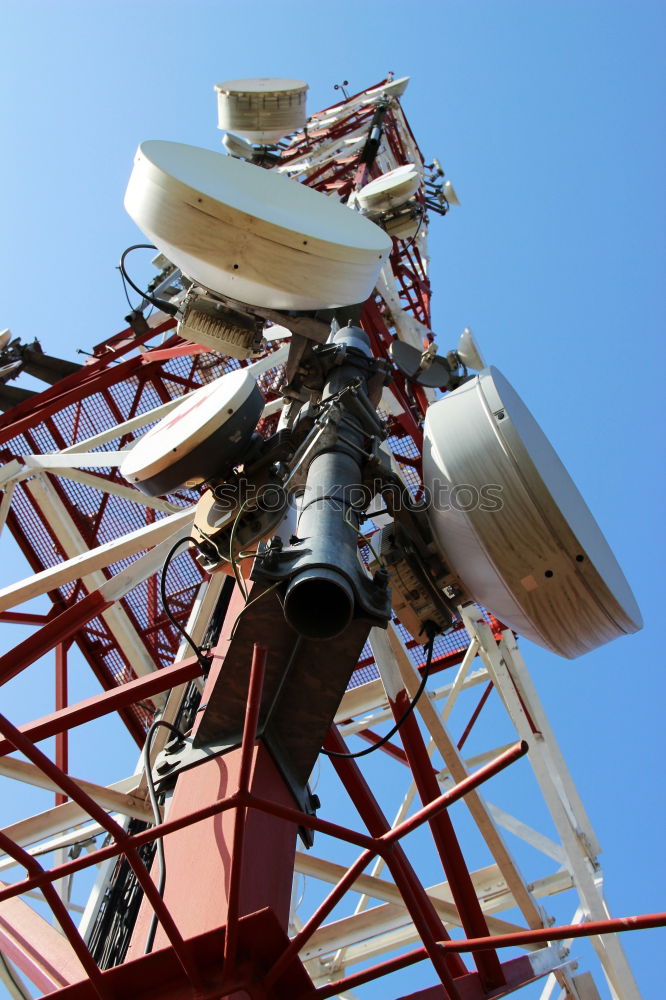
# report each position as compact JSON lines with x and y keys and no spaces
{"x":390,"y":190}
{"x":237,"y":146}
{"x":263,"y":109}
{"x":5,"y":337}
{"x":449,"y":193}
{"x":513,"y":527}
{"x":468,"y":351}
{"x":207,"y":431}
{"x":252,"y":234}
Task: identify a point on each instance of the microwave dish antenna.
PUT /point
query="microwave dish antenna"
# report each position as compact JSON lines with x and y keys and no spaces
{"x":263,"y":109}
{"x":468,"y":351}
{"x":390,"y":190}
{"x":518,"y":534}
{"x":211,"y":428}
{"x":449,"y":193}
{"x":236,"y":145}
{"x":252,"y":234}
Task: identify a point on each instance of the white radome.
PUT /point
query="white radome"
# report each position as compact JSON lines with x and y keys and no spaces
{"x":190,"y":442}
{"x":390,"y":190}
{"x":252,"y":234}
{"x":262,"y":109}
{"x":526,"y":546}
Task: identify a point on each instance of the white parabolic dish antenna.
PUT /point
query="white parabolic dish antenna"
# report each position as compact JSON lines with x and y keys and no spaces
{"x":390,"y":190}
{"x":250,"y":233}
{"x":538,"y":560}
{"x":209,"y":429}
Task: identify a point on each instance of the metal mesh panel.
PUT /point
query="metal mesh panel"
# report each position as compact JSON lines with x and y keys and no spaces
{"x":99,"y":517}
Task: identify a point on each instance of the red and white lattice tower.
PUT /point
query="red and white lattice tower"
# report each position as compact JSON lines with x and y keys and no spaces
{"x":234,"y":919}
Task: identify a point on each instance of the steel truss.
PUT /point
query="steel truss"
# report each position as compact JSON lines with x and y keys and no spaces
{"x":96,"y":546}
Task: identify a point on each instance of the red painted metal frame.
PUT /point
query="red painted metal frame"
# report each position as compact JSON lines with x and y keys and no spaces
{"x":67,"y":718}
{"x":446,"y":842}
{"x":62,"y":737}
{"x":381,"y":841}
{"x":51,"y":636}
{"x":249,"y":736}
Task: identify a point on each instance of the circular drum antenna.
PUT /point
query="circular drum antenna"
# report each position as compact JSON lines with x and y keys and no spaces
{"x":512,"y":525}
{"x":263,"y":109}
{"x":252,"y":234}
{"x":207,"y":432}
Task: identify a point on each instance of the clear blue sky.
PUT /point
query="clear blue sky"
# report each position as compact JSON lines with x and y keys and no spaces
{"x":548,"y":117}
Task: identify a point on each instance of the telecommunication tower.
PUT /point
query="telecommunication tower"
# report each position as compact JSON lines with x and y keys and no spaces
{"x":271,"y":515}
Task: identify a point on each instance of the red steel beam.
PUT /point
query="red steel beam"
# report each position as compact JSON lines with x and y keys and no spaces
{"x":170,"y":826}
{"x":518,"y":972}
{"x":318,"y":917}
{"x":61,"y":914}
{"x":22,"y":618}
{"x":167,"y":353}
{"x":62,"y":742}
{"x":446,"y":843}
{"x":107,"y":701}
{"x":475,"y":715}
{"x":123,"y":840}
{"x":420,"y":907}
{"x":468,"y":784}
{"x":92,"y":377}
{"x":561,"y":933}
{"x":292,"y":815}
{"x":255,"y":688}
{"x":56,"y":630}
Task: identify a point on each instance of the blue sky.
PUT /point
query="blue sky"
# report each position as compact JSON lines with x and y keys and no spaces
{"x":548,"y":118}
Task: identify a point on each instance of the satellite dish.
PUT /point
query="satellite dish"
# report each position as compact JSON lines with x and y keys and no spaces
{"x":5,"y":337}
{"x":237,"y":146}
{"x":252,"y":234}
{"x":468,"y":351}
{"x":206,"y":432}
{"x":422,"y":367}
{"x":390,"y":190}
{"x":263,"y":109}
{"x":512,"y":525}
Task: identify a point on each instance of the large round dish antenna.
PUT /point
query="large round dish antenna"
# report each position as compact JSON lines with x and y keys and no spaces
{"x":512,"y":525}
{"x":262,"y":110}
{"x":252,"y":234}
{"x":206,"y":432}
